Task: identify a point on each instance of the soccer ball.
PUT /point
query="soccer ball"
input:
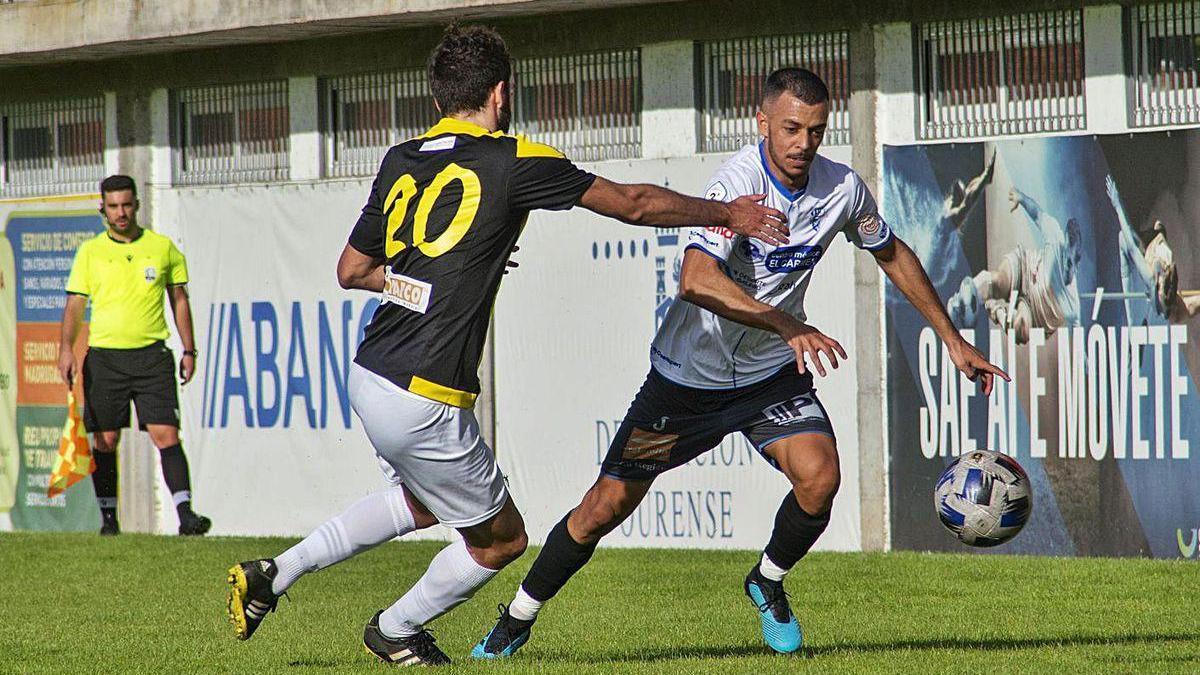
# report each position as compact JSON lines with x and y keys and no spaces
{"x":984,"y":498}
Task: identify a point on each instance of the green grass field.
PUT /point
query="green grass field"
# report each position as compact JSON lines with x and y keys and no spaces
{"x":78,"y":603}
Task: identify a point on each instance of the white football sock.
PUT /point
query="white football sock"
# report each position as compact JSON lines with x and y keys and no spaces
{"x":372,"y":520}
{"x":770,"y":570}
{"x":452,"y":578}
{"x":524,"y":607}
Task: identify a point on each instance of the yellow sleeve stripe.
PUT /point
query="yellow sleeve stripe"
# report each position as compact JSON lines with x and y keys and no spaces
{"x":437,"y":392}
{"x":527,"y":148}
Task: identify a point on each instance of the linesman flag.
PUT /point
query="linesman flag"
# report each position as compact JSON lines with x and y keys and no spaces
{"x":75,"y":460}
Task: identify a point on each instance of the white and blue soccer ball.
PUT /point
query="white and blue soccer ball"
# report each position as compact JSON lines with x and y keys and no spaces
{"x":984,"y":498}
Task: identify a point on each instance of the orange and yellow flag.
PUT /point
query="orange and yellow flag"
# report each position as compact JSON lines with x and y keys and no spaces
{"x":75,"y":460}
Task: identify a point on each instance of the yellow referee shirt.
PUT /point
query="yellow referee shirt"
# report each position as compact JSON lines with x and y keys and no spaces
{"x":125,"y":283}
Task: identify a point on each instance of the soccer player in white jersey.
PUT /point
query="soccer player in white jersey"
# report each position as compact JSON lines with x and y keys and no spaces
{"x":1154,"y":267}
{"x":736,"y":353}
{"x":1044,"y":280}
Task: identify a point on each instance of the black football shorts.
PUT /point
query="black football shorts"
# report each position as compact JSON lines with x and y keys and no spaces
{"x":669,"y":424}
{"x":114,"y":377}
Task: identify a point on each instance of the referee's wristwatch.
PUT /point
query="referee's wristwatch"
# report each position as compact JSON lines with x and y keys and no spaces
{"x":191,"y":352}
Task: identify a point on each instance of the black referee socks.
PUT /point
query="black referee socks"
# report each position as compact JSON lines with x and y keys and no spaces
{"x":795,"y":532}
{"x":104,"y":482}
{"x":561,"y":557}
{"x":175,"y":471}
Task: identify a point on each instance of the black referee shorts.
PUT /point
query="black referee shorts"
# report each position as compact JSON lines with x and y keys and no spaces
{"x":114,"y":377}
{"x":669,"y":424}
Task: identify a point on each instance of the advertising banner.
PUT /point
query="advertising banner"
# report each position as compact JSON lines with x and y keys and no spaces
{"x":275,"y":448}
{"x":37,"y":246}
{"x":1074,"y":264}
{"x":273,"y":445}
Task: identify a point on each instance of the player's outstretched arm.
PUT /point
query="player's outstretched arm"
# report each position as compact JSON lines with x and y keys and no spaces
{"x":703,"y":283}
{"x":358,"y":270}
{"x":971,"y":194}
{"x":904,"y":269}
{"x":1032,"y":209}
{"x":643,"y":204}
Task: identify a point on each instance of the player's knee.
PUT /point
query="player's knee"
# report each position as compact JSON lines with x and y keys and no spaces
{"x":164,"y":438}
{"x":504,"y":551}
{"x":105,"y":442}
{"x":817,"y":484}
{"x":602,"y":513}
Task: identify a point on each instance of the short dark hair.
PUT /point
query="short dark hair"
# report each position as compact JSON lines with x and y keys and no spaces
{"x":799,"y":82}
{"x":116,"y":184}
{"x":466,"y":65}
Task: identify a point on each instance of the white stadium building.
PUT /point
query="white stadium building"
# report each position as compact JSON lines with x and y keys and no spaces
{"x":254,"y":131}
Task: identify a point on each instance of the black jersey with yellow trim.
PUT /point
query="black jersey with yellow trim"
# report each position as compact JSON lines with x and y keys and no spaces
{"x":444,"y":213}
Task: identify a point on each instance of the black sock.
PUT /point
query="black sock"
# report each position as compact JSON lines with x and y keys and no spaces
{"x":175,"y":471}
{"x":795,"y":532}
{"x":561,"y":557}
{"x":104,"y":481}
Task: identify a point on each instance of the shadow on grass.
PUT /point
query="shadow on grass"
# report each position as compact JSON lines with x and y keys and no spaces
{"x":850,"y":648}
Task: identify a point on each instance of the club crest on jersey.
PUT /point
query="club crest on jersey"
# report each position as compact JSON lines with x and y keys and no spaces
{"x":749,"y":251}
{"x":151,"y":274}
{"x":793,"y":258}
{"x":406,"y":291}
{"x":814,"y":217}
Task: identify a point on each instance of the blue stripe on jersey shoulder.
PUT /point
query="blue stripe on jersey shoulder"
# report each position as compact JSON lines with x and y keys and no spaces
{"x":705,"y":251}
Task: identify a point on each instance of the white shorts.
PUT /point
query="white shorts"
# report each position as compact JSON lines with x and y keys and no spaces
{"x":433,"y":448}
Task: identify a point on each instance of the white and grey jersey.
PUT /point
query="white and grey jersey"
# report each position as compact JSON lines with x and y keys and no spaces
{"x":695,"y":347}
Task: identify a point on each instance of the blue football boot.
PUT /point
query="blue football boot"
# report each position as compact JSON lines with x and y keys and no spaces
{"x":505,"y":638}
{"x":780,"y":630}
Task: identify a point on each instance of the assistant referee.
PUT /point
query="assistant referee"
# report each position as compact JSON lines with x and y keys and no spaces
{"x":123,"y":272}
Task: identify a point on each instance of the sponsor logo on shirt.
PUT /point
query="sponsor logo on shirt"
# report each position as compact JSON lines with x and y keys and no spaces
{"x":656,"y":353}
{"x":793,"y":258}
{"x":438,"y":145}
{"x":723,"y":231}
{"x":749,"y":251}
{"x":406,"y":291}
{"x":695,"y":237}
{"x":744,"y":279}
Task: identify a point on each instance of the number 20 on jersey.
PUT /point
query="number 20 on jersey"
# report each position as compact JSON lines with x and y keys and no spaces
{"x":400,"y":196}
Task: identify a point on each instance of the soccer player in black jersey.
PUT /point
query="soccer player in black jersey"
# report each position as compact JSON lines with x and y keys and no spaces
{"x":434,"y":238}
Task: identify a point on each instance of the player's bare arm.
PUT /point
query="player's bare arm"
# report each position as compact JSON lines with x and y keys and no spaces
{"x":971,"y":193}
{"x":356,"y":269}
{"x":643,"y":204}
{"x":904,"y":269}
{"x":181,"y":309}
{"x":68,"y":366}
{"x":1016,"y":198}
{"x":703,"y":283}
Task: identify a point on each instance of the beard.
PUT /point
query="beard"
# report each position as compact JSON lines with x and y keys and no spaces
{"x":504,"y":114}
